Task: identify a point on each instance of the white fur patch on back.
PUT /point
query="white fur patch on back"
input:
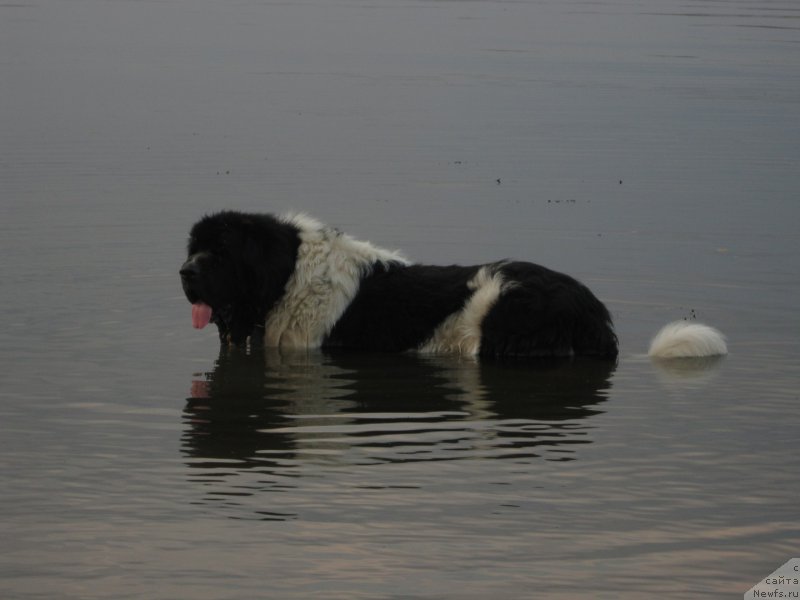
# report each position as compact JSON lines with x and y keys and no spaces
{"x":460,"y":333}
{"x":326,"y":278}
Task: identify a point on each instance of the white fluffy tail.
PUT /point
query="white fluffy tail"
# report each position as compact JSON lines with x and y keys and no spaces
{"x":683,"y":339}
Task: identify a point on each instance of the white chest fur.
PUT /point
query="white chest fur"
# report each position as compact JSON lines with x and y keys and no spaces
{"x":327,"y":275}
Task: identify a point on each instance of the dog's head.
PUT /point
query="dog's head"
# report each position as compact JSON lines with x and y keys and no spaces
{"x":236,"y":269}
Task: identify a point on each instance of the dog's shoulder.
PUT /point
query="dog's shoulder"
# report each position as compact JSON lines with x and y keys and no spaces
{"x":343,"y":252}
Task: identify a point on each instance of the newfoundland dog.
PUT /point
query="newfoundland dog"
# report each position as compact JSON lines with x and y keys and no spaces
{"x":293,"y":282}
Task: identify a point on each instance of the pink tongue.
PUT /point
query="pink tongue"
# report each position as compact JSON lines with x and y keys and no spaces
{"x":201,"y":315}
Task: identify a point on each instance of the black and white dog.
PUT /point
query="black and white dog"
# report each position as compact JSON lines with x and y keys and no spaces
{"x":294,"y":283}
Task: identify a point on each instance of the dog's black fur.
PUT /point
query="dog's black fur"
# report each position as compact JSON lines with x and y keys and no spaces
{"x":241,"y":266}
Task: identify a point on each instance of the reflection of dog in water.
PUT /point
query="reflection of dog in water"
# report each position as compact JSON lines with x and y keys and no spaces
{"x":295,"y":283}
{"x":265,"y":405}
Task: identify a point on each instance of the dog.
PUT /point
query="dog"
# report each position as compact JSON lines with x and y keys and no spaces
{"x":292,"y":282}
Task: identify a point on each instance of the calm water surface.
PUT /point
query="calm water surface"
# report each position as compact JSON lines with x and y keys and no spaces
{"x":650,"y":148}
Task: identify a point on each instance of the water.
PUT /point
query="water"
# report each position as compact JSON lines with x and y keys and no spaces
{"x":648,"y":148}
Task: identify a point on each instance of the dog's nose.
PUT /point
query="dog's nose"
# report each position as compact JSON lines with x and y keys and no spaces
{"x":189,"y":270}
